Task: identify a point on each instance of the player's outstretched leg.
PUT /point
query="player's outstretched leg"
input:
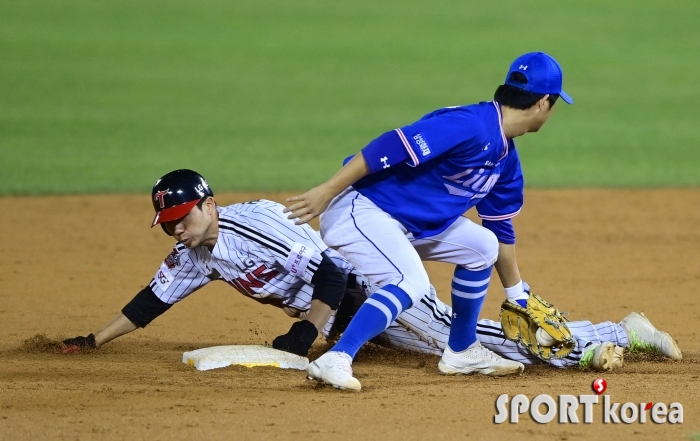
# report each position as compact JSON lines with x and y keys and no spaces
{"x":598,"y":346}
{"x":644,"y":337}
{"x":604,"y":356}
{"x":464,"y":354}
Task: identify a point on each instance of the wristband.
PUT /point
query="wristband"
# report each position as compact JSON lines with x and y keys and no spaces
{"x":517,"y":294}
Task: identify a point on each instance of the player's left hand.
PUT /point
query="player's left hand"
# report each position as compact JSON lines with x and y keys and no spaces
{"x":521,"y":324}
{"x":78,"y":344}
{"x":298,"y":340}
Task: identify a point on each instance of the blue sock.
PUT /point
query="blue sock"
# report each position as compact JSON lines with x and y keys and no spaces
{"x":468,"y":293}
{"x":373,"y":317}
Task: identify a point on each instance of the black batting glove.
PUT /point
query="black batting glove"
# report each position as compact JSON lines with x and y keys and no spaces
{"x":298,"y":340}
{"x":80,"y":343}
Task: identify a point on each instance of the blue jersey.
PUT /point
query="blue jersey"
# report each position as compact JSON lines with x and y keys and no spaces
{"x":429,"y":173}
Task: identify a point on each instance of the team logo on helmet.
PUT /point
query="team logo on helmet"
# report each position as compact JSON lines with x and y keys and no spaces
{"x":159,"y":196}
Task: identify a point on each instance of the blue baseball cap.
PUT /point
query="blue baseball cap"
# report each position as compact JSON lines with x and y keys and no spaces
{"x":543,"y":73}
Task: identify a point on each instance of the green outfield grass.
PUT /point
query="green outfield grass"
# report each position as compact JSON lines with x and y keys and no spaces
{"x":269,"y":94}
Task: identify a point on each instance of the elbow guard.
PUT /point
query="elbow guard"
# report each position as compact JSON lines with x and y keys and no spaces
{"x":144,"y":308}
{"x":329,"y":283}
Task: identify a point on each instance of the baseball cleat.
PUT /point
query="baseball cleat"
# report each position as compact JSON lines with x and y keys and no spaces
{"x":644,"y":337}
{"x":334,"y":368}
{"x":603,"y":357}
{"x":477,"y":359}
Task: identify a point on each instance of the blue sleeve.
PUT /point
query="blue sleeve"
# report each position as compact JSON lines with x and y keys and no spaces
{"x":505,"y":199}
{"x":423,"y":140}
{"x":434,"y":135}
{"x":503,"y":229}
{"x":385,"y":151}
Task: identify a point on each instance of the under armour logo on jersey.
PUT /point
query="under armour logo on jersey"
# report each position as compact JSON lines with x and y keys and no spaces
{"x":159,"y":197}
{"x":522,"y":67}
{"x":384,"y":161}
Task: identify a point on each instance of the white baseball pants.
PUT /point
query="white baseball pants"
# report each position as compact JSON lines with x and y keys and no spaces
{"x":385,"y":252}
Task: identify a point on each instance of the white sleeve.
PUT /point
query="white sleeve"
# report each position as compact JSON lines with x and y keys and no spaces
{"x":297,"y":248}
{"x":177,"y":276}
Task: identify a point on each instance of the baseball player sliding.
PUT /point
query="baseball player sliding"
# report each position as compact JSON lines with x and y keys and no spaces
{"x":401,"y":200}
{"x":253,"y":247}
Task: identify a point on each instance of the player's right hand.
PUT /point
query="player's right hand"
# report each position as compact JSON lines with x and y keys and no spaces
{"x":310,"y":204}
{"x":298,"y":340}
{"x":78,"y":344}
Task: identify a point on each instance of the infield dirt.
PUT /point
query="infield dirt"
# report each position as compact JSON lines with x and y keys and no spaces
{"x":70,"y":263}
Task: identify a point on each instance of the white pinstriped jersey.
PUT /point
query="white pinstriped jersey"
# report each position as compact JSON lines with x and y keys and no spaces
{"x":259,"y":252}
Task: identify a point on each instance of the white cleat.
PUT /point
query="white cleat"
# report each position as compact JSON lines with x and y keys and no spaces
{"x":334,"y":368}
{"x":477,"y":359}
{"x":603,"y":357}
{"x":644,"y":337}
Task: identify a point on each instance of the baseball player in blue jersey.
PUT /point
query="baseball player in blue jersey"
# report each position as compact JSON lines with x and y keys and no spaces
{"x":401,"y":200}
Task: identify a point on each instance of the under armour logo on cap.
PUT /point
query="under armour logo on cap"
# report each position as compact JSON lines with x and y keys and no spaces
{"x":543,"y":75}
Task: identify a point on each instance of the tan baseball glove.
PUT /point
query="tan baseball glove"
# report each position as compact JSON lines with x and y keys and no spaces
{"x":521,"y":324}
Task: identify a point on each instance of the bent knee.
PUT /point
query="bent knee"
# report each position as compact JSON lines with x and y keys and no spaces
{"x":415,"y":285}
{"x":486,"y":250}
